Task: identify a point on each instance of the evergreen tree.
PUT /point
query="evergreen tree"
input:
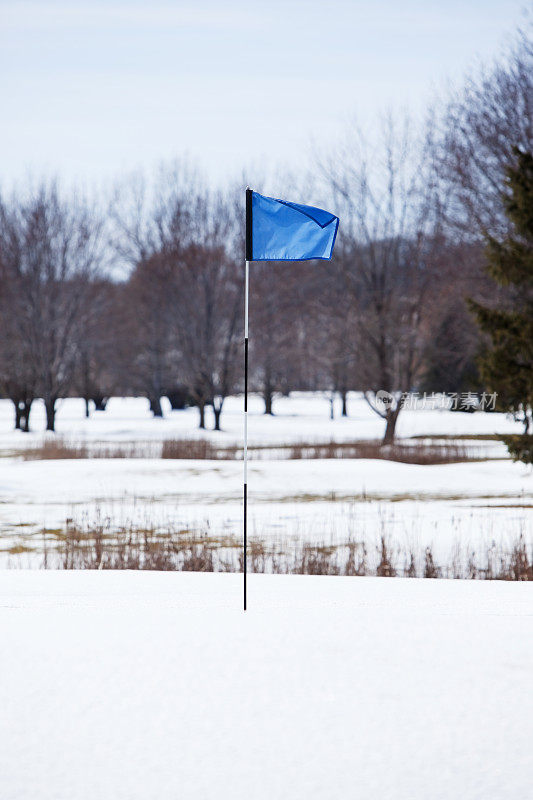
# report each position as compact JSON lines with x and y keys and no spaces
{"x":507,"y":365}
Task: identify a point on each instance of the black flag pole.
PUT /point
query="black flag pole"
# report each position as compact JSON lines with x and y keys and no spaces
{"x":249,"y":257}
{"x":284,"y":232}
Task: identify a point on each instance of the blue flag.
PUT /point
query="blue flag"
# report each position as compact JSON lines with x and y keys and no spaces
{"x":280,"y":231}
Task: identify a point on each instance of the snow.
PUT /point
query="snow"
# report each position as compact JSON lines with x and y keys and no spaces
{"x":137,"y":686}
{"x":73,"y":481}
{"x":323,"y":501}
{"x":302,"y":417}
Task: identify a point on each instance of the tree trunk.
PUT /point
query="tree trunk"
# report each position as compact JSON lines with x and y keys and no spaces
{"x":100,"y":402}
{"x":201,"y":409}
{"x":26,"y":409}
{"x":267,"y":397}
{"x":390,"y":429}
{"x":179,"y":399}
{"x":344,"y":396}
{"x":217,"y":412}
{"x":50,"y":406}
{"x":155,"y":406}
{"x":18,"y":415}
{"x":332,"y":407}
{"x":87,"y":409}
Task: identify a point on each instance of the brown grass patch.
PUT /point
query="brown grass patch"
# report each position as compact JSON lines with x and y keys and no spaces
{"x":58,"y":448}
{"x":197,"y":449}
{"x":405,"y":451}
{"x":99,"y":547}
{"x":408,"y":451}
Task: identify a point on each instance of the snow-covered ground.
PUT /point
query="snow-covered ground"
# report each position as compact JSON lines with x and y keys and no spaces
{"x":314,"y":500}
{"x":302,"y":417}
{"x":156,"y":686}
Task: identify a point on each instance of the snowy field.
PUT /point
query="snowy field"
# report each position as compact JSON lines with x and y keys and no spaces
{"x":322,"y":501}
{"x":155,"y":686}
{"x":300,"y":417}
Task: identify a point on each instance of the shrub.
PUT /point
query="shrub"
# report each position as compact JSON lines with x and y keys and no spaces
{"x":520,"y":447}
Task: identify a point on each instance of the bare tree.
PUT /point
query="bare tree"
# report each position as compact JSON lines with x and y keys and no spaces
{"x":145,"y":325}
{"x":484,"y":119}
{"x":208,"y":301}
{"x":153,"y":224}
{"x":276,"y":311}
{"x":332,"y":321}
{"x":98,"y":372}
{"x":391,"y":242}
{"x":451,"y":351}
{"x":17,"y":376}
{"x":54,"y":252}
{"x":150,"y":217}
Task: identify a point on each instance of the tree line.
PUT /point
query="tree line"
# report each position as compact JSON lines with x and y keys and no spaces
{"x":143,"y":295}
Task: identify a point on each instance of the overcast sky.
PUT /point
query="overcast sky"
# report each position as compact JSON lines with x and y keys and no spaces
{"x":89,"y":90}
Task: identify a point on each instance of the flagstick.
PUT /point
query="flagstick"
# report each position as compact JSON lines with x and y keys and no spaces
{"x":245,"y":543}
{"x":249,"y":257}
{"x":310,"y":249}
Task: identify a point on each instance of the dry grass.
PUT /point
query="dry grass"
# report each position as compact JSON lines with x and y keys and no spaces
{"x":57,"y":448}
{"x":406,"y":452}
{"x":51,"y":449}
{"x":197,"y":449}
{"x":100,"y":547}
{"x":410,"y":451}
{"x":468,"y":437}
